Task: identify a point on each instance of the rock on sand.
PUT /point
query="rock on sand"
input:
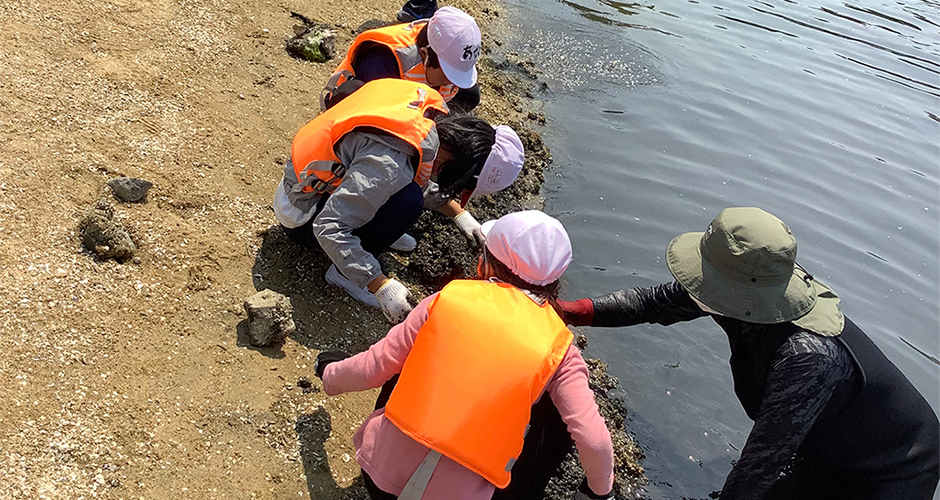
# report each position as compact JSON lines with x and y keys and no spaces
{"x":105,"y":236}
{"x":269,"y":318}
{"x":315,"y":43}
{"x":130,"y":189}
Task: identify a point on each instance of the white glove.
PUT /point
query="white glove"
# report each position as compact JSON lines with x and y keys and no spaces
{"x":393,"y":301}
{"x":470,"y":227}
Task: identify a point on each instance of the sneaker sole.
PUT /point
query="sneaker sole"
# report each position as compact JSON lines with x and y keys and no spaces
{"x":337,"y":283}
{"x":404,"y":249}
{"x":404,"y":17}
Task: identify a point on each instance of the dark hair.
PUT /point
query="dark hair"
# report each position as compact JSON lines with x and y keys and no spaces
{"x":548,"y":292}
{"x":422,"y":39}
{"x":423,"y":43}
{"x":470,"y":140}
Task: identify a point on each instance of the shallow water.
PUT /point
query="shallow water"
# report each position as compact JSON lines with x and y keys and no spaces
{"x":823,"y":113}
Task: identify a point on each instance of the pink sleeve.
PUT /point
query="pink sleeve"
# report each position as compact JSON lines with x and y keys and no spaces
{"x":574,"y":399}
{"x":381,"y":362}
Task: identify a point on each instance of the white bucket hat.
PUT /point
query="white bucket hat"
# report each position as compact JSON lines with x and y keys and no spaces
{"x":532,"y":244}
{"x":455,"y":38}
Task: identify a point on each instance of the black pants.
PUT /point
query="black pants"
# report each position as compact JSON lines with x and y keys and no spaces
{"x":545,"y":446}
{"x":374,"y":492}
{"x":391,"y":221}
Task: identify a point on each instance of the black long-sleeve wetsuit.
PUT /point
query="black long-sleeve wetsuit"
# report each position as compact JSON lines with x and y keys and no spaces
{"x":797,"y":386}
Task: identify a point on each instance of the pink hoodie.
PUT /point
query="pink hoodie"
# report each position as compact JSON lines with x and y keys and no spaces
{"x":390,"y":457}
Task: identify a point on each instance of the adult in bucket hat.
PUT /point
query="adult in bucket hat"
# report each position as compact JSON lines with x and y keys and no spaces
{"x":827,"y":405}
{"x":441,"y":52}
{"x":479,"y":363}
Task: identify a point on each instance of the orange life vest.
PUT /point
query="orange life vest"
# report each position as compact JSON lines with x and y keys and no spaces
{"x":478,"y":364}
{"x":397,"y":107}
{"x":402,"y":40}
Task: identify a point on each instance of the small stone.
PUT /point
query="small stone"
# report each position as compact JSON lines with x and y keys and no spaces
{"x":104,"y":235}
{"x":269,"y":318}
{"x":130,"y":189}
{"x":581,"y":341}
{"x":137,"y":260}
{"x":304,"y":383}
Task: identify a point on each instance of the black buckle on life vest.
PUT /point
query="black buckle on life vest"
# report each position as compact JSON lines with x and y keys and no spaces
{"x":339,"y":170}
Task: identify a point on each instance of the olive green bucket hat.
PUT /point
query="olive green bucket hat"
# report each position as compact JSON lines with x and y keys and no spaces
{"x":744,"y":267}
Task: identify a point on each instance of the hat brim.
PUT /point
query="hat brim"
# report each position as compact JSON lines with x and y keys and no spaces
{"x":479,"y":192}
{"x":742,"y":301}
{"x":487,"y":226}
{"x":477,"y":189}
{"x":826,"y":317}
{"x":462,"y":79}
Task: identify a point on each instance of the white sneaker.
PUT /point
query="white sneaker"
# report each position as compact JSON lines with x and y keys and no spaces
{"x":334,"y":277}
{"x":406,"y":243}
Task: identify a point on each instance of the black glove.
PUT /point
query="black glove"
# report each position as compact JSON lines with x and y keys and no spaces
{"x":584,"y":493}
{"x":325,"y":358}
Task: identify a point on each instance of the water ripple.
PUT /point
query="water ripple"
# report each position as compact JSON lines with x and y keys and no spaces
{"x":897,"y":77}
{"x":844,"y":36}
{"x":758,"y":26}
{"x":605,"y":18}
{"x":883,"y":16}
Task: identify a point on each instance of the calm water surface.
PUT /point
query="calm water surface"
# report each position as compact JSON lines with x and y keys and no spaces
{"x":824,"y":113}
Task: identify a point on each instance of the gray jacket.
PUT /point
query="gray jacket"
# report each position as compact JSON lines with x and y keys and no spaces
{"x":377,"y":166}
